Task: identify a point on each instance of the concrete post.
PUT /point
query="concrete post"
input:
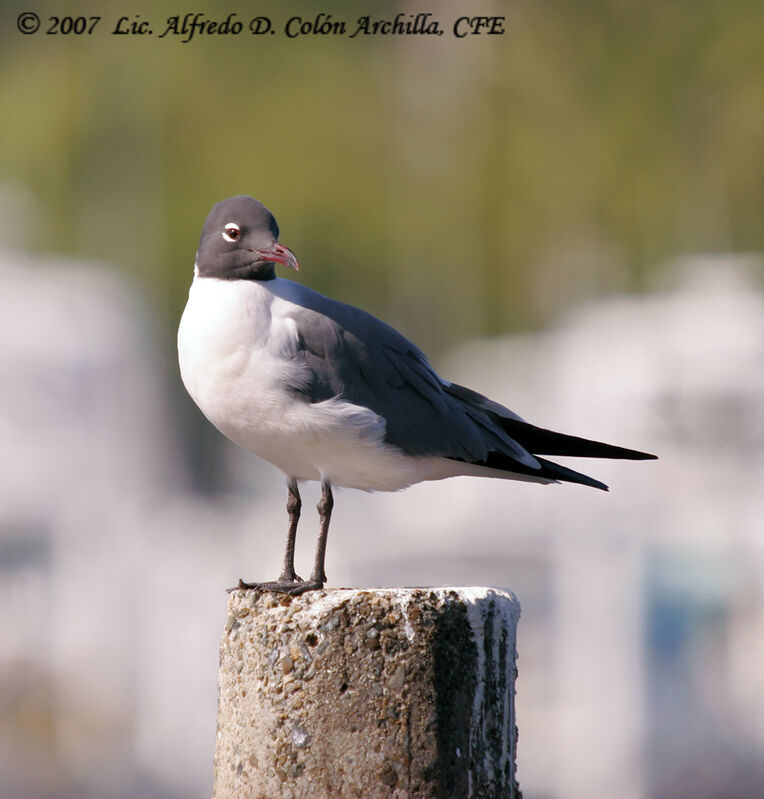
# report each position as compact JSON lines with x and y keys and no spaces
{"x":394,"y":693}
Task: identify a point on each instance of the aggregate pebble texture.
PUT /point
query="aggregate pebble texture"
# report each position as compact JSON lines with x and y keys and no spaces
{"x":368,"y":693}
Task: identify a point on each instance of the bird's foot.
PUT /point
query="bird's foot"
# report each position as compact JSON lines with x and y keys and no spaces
{"x":281,"y":586}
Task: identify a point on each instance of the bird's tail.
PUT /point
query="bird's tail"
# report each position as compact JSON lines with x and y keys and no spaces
{"x":539,"y":441}
{"x":503,"y":465}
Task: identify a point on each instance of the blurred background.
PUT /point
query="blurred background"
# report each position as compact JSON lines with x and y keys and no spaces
{"x":567,"y":217}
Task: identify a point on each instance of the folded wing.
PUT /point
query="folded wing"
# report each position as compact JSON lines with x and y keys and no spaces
{"x":348,"y":353}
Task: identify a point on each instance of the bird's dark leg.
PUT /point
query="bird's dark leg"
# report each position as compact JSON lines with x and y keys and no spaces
{"x":294,"y":505}
{"x":289,"y":582}
{"x":325,"y":505}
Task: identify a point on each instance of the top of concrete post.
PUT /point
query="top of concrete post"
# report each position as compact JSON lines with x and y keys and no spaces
{"x":404,"y":692}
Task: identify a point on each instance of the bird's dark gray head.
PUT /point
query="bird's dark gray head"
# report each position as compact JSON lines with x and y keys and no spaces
{"x":240,"y":242}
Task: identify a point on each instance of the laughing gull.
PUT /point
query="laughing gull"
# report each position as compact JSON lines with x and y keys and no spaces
{"x":325,"y":391}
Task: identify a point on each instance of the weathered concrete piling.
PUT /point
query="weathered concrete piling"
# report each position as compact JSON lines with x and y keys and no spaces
{"x":395,"y":693}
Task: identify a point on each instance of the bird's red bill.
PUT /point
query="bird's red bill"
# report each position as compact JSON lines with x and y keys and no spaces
{"x":279,"y":254}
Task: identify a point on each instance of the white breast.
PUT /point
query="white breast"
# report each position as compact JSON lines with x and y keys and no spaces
{"x":236,"y":345}
{"x":234,"y":354}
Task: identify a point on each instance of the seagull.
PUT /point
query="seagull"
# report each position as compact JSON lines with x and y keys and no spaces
{"x":325,"y":391}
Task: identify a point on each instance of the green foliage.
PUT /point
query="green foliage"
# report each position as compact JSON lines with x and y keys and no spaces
{"x":513,"y":174}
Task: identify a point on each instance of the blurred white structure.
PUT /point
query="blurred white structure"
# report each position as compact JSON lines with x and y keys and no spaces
{"x":642,"y":635}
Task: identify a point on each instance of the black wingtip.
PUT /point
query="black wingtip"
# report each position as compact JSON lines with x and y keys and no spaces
{"x":540,"y":441}
{"x":643,"y":456}
{"x":567,"y":475}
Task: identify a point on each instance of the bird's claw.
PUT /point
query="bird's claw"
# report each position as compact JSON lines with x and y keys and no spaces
{"x":281,"y":586}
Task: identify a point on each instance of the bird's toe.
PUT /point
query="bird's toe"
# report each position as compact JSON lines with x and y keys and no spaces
{"x":293,"y":587}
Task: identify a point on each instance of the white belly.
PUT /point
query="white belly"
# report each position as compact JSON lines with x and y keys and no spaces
{"x":236,"y":343}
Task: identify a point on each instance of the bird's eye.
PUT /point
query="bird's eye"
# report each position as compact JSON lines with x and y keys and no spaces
{"x":231,"y":232}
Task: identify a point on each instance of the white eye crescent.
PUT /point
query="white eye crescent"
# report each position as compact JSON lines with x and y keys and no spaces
{"x":231,"y":232}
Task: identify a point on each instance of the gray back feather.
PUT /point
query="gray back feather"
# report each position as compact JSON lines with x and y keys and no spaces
{"x":349,"y":353}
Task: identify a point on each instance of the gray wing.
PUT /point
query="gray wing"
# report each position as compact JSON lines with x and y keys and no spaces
{"x":346,"y":352}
